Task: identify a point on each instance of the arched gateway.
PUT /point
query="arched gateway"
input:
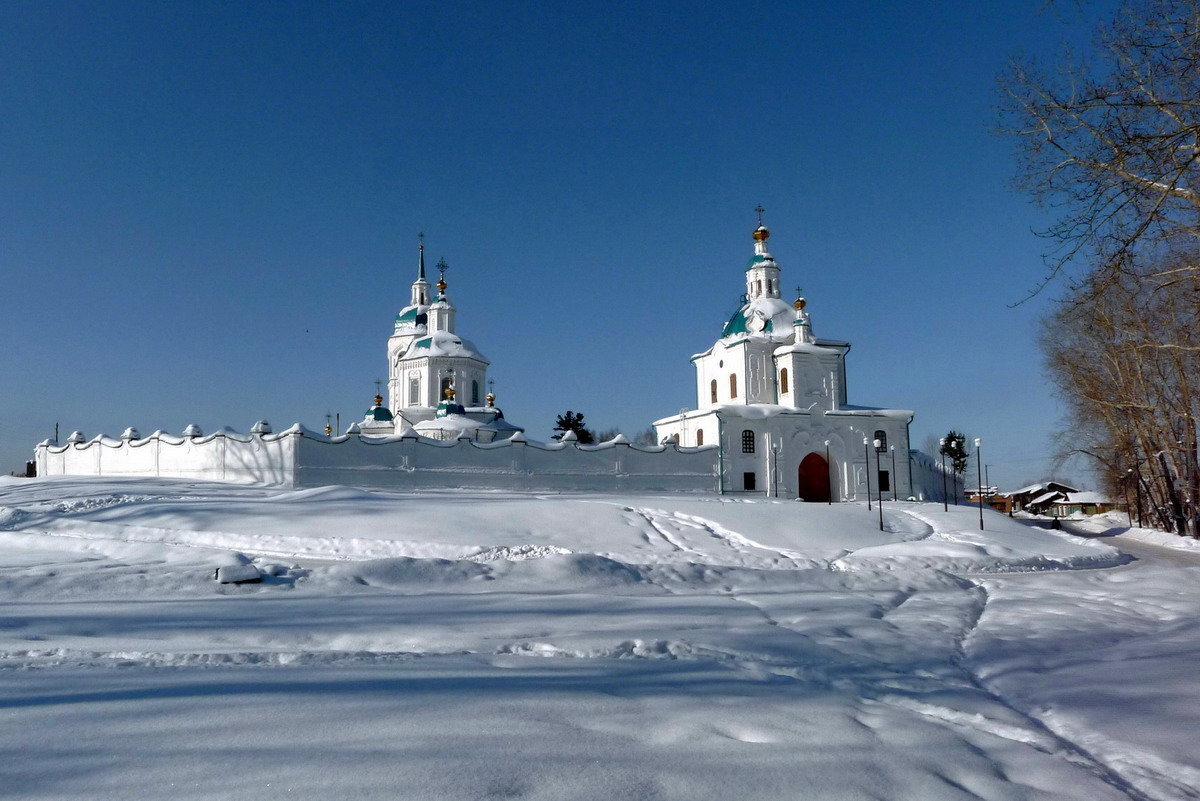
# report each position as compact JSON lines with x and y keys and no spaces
{"x":812,"y":483}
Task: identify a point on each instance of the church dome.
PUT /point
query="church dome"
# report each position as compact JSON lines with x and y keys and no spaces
{"x":379,"y":411}
{"x":762,"y":316}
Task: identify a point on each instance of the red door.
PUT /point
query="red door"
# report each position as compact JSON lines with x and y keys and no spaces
{"x":813,"y":479}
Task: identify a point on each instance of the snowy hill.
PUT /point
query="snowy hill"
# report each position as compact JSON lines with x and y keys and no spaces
{"x":497,"y":645}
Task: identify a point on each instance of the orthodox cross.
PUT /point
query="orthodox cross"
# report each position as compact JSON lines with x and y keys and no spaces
{"x":799,"y":292}
{"x":378,"y":384}
{"x":759,"y":210}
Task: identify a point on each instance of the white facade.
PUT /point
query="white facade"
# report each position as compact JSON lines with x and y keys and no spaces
{"x":773,"y":397}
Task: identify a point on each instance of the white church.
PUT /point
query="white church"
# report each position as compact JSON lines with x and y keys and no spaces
{"x":772,"y":396}
{"x":435,"y":377}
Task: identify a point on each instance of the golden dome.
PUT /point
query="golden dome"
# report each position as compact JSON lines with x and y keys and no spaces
{"x":761,"y":234}
{"x":378,"y":400}
{"x":800,"y":303}
{"x":449,"y":393}
{"x":441,"y":285}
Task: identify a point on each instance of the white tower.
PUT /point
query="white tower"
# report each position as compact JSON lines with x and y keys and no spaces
{"x":762,"y":275}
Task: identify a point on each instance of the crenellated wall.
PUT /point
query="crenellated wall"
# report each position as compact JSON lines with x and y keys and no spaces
{"x":298,"y":457}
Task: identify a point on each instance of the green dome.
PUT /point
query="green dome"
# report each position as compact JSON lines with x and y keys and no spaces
{"x":379,"y":413}
{"x":737,"y":323}
{"x":413,"y":316}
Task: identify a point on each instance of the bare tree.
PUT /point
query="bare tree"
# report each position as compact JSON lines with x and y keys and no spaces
{"x":1127,"y":364}
{"x":1116,"y":146}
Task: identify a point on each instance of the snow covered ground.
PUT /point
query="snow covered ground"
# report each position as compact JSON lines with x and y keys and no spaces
{"x":474,"y":645}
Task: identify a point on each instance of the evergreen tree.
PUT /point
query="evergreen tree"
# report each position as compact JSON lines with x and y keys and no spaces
{"x":573,"y":422}
{"x":955,"y":450}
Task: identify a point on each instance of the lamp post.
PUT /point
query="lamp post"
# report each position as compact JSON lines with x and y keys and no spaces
{"x":979,"y":475}
{"x":942,"y":450}
{"x":829,"y":473}
{"x":893,"y":450}
{"x":878,"y":485}
{"x":867,"y":469}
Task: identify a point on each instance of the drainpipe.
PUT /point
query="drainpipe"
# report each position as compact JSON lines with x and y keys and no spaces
{"x":720,"y":456}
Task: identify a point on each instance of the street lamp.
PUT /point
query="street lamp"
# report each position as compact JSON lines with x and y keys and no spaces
{"x":867,"y":469}
{"x":942,"y":450}
{"x":878,"y":484}
{"x":979,"y":476}
{"x":829,"y":473}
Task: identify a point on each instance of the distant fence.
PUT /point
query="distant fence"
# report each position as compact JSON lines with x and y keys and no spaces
{"x":298,"y":457}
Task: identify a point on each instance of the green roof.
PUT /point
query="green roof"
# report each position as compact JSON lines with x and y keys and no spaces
{"x":412,"y":315}
{"x":756,"y":260}
{"x":379,"y":413}
{"x":737,"y":323}
{"x":423,"y":343}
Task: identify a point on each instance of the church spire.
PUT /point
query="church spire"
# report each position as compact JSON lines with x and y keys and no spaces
{"x":420,"y":287}
{"x":421,"y":256}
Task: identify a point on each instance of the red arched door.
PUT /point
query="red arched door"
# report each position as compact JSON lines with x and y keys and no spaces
{"x":813,"y":480}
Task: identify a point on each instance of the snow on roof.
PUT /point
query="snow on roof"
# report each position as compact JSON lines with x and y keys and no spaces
{"x":1087,"y":497}
{"x":1049,"y":496}
{"x":443,"y":343}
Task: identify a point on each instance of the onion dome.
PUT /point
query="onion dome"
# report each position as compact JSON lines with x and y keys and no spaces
{"x":379,"y":411}
{"x":761,"y":233}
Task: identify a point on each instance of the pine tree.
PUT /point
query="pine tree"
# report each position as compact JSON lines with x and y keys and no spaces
{"x":955,"y":450}
{"x":573,"y":422}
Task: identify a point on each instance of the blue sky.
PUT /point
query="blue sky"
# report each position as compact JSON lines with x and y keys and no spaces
{"x":208,"y":212}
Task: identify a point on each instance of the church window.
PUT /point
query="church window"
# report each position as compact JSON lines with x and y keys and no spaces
{"x":475,"y":393}
{"x":747,"y":441}
{"x":733,"y":385}
{"x":700,"y":437}
{"x":712,"y":387}
{"x":770,"y":288}
{"x":758,"y":286}
{"x":414,"y":391}
{"x":882,"y":437}
{"x":783,"y":382}
{"x":445,"y":386}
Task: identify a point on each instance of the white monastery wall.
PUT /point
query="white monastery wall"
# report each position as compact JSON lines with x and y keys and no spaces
{"x":420,"y":463}
{"x":301,"y":458}
{"x":222,"y":456}
{"x":927,"y":479}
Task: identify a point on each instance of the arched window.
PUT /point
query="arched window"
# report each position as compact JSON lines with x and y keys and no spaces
{"x":712,"y":387}
{"x":747,"y":441}
{"x":882,"y":437}
{"x":783,"y":382}
{"x":414,"y":391}
{"x":733,"y":385}
{"x":700,"y":437}
{"x":474,"y":393}
{"x":758,"y":284}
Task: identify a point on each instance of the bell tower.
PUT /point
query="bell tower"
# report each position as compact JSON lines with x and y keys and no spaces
{"x":762,"y":273}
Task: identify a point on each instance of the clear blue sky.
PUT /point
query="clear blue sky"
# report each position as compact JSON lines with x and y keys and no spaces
{"x":208,"y":211}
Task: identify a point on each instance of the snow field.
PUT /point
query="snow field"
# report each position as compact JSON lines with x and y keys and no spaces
{"x":497,"y":645}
